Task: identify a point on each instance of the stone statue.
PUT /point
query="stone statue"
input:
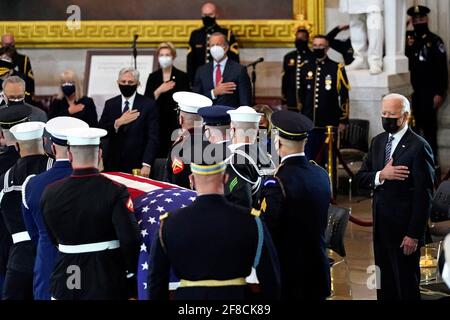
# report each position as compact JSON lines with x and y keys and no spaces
{"x":366,"y":33}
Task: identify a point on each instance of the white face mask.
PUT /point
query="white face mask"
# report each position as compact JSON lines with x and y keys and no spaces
{"x":165,"y":61}
{"x":217,"y":52}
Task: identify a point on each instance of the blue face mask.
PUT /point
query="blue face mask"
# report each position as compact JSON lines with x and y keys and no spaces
{"x":68,"y":89}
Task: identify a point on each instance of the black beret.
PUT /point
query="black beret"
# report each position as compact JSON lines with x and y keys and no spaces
{"x":418,"y":11}
{"x":12,"y":115}
{"x":292,"y":125}
{"x":215,"y":115}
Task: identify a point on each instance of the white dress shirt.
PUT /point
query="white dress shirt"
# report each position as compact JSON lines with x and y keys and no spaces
{"x":222,"y":68}
{"x":301,"y":154}
{"x":397,"y":137}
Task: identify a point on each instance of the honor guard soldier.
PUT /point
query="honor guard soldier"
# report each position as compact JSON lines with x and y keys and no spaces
{"x":247,"y":163}
{"x":189,"y":142}
{"x":198,"y":53}
{"x":294,"y":204}
{"x":428,"y":65}
{"x":9,"y":156}
{"x":32,"y":190}
{"x":292,"y":64}
{"x":19,"y":275}
{"x":212,"y":245}
{"x":98,"y":235}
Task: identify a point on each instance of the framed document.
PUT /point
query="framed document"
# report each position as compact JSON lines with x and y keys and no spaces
{"x":102,"y":70}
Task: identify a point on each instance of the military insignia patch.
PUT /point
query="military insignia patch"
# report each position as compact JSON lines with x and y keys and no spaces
{"x":177,"y":166}
{"x":442,"y":48}
{"x":130,"y":206}
{"x":233,"y":184}
{"x":291,"y":62}
{"x":328,"y":82}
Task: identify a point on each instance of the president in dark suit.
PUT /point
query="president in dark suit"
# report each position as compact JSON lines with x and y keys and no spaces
{"x":399,"y":168}
{"x":132,"y":124}
{"x":223,"y":80}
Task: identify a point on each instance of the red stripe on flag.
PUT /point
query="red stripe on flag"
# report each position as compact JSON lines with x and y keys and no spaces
{"x":143,"y":180}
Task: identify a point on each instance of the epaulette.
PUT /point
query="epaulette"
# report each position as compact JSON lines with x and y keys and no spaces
{"x":164,"y":216}
{"x":255,"y":212}
{"x":315,"y":163}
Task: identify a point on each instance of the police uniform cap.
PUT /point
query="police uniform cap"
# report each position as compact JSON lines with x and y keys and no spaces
{"x":190,"y":102}
{"x":58,"y":126}
{"x":244,"y":114}
{"x":292,"y":125}
{"x":10,"y":116}
{"x":215,"y":115}
{"x":418,"y":11}
{"x":28,"y":130}
{"x":84,"y":136}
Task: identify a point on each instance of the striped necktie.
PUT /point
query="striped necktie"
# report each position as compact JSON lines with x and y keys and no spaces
{"x":387,"y":152}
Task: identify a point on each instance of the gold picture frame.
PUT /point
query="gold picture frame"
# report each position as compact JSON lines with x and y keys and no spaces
{"x":115,"y":34}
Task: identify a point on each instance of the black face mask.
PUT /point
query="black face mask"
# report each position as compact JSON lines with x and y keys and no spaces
{"x":127,"y":90}
{"x":208,"y":21}
{"x":68,"y":89}
{"x":319,"y":53}
{"x":390,"y":125}
{"x":421,"y":28}
{"x":301,"y":44}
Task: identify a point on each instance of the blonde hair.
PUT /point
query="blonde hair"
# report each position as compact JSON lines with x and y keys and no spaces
{"x":267,"y":111}
{"x":70,"y":76}
{"x":167,"y":45}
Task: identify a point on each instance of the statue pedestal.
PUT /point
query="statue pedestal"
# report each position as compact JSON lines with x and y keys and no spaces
{"x":367,"y":91}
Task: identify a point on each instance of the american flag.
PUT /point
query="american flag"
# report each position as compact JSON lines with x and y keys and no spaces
{"x":151,"y":199}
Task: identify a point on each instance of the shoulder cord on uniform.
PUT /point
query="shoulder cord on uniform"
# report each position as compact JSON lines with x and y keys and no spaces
{"x":49,"y":164}
{"x":6,"y":187}
{"x":259,"y":248}
{"x":24,"y":186}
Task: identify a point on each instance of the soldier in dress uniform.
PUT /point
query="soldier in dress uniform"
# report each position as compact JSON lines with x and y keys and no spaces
{"x":292,"y":64}
{"x":324,"y":97}
{"x":189,"y":142}
{"x":22,"y":63}
{"x":294,"y":204}
{"x":32,"y":190}
{"x":212,"y":245}
{"x":8,"y":118}
{"x":19,"y":275}
{"x":248,"y":162}
{"x":429,"y":75}
{"x":98,"y":237}
{"x":198,"y":53}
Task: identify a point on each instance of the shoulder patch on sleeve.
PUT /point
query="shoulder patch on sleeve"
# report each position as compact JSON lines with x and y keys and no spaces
{"x":233,"y":184}
{"x":164,"y":216}
{"x":442,"y":47}
{"x":255,"y":212}
{"x":130,"y":206}
{"x":263,"y":206}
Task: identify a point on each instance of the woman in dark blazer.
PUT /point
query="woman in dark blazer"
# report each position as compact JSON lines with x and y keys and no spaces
{"x":161,"y":85}
{"x":71,"y":101}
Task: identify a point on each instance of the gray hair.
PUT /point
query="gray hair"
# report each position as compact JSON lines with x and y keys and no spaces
{"x":220,"y":34}
{"x":405,"y":102}
{"x":14,"y":79}
{"x":131,"y":70}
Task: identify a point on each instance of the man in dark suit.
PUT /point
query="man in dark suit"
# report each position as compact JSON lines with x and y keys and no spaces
{"x":199,"y":49}
{"x":294,"y":204}
{"x":400,"y":169}
{"x":223,"y":80}
{"x":132,"y":124}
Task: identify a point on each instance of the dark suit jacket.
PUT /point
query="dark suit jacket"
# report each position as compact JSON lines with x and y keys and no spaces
{"x":134,"y":143}
{"x":60,"y":107}
{"x":400,"y":208}
{"x":233,"y":72}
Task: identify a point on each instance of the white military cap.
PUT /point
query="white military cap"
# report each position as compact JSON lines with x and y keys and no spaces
{"x":84,"y":136}
{"x":244,"y":114}
{"x":58,"y":126}
{"x":28,"y":130}
{"x":190,"y":102}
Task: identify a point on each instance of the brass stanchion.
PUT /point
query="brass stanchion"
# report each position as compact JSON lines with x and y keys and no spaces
{"x":329,"y":142}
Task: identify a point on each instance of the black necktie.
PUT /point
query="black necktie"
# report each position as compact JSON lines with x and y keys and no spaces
{"x":127,"y":104}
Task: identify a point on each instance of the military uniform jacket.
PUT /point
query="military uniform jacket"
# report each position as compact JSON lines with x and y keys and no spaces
{"x":22,"y":254}
{"x":46,"y":252}
{"x":198,"y":53}
{"x":428,"y":65}
{"x":290,"y":82}
{"x":294,"y":204}
{"x":324,"y":92}
{"x":23,"y":64}
{"x":75,"y":214}
{"x":7,"y":159}
{"x":212,"y":239}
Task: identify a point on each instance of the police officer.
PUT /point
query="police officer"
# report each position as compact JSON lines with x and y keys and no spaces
{"x":248,"y":162}
{"x":32,"y":190}
{"x":98,"y":235}
{"x":212,"y":245}
{"x":198,"y":53}
{"x":294,"y":204}
{"x":9,"y":156}
{"x":292,"y":64}
{"x":19,"y":275}
{"x":189,"y":142}
{"x":429,"y":75}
